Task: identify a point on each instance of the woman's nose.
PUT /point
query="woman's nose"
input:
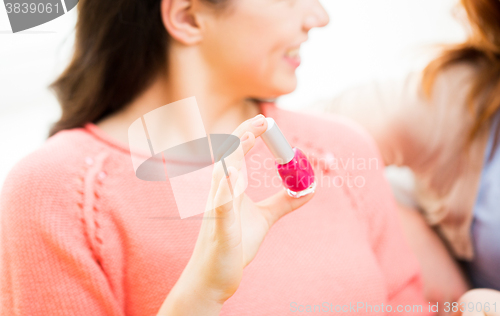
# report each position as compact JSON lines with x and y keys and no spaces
{"x":316,"y":15}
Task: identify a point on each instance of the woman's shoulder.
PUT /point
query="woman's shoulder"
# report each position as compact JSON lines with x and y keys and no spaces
{"x":52,"y":168}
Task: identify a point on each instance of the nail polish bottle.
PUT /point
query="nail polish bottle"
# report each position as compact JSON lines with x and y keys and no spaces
{"x":295,"y":171}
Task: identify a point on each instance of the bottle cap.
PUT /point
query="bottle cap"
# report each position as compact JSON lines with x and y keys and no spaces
{"x":277,"y":143}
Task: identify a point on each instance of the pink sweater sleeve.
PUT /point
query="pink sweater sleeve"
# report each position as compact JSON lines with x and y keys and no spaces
{"x":48,"y":266}
{"x":398,"y":264}
{"x":396,"y":260}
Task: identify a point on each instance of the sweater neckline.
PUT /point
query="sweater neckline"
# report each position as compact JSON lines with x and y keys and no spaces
{"x":266,"y":108}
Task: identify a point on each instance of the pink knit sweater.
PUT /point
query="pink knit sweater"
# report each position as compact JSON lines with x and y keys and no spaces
{"x":81,"y":235}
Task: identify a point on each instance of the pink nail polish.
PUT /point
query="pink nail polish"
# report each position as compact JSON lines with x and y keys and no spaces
{"x":292,"y":165}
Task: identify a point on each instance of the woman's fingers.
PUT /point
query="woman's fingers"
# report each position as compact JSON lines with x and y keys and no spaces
{"x":247,"y":142}
{"x":256,"y":125}
{"x":224,"y":207}
{"x":280,"y":204}
{"x":246,"y":133}
{"x":235,"y":159}
{"x":232,"y":153}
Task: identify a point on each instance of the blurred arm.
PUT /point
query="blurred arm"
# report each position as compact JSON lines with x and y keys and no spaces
{"x":443,"y":279}
{"x":394,"y":112}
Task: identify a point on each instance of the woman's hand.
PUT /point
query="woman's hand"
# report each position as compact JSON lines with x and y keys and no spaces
{"x":230,"y":234}
{"x":479,"y":302}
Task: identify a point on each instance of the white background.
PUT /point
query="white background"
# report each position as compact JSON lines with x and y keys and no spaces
{"x":365,"y":39}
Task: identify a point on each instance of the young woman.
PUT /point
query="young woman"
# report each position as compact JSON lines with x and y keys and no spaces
{"x":82,"y":235}
{"x":444,"y":124}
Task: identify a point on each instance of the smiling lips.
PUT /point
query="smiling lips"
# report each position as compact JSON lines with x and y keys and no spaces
{"x":292,"y":56}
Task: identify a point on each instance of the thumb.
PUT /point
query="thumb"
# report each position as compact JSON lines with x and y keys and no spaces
{"x":223,"y":202}
{"x":280,"y":204}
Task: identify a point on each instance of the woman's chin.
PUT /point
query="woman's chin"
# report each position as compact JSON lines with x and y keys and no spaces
{"x":286,"y":85}
{"x":278,"y":87}
{"x":288,"y":89}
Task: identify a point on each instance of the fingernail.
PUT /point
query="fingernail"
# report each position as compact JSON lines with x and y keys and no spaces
{"x":232,"y":175}
{"x":258,"y":116}
{"x":259,"y":122}
{"x":245,"y":137}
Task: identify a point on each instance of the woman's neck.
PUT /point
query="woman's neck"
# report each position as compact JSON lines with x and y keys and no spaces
{"x":220,"y":112}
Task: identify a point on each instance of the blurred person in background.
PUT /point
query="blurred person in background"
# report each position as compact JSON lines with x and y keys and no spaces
{"x":444,"y":124}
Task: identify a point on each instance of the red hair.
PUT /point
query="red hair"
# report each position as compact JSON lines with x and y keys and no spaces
{"x":482,"y":48}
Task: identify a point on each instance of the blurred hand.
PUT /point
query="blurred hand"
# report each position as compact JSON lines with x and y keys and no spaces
{"x":479,"y":302}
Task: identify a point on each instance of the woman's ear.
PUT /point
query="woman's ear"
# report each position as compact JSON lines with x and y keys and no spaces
{"x":180,"y":21}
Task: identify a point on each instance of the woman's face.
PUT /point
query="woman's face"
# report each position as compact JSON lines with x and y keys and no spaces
{"x":253,"y":47}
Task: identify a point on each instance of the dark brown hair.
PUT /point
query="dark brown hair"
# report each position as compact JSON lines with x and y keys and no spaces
{"x":482,"y":48}
{"x":120,"y":47}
